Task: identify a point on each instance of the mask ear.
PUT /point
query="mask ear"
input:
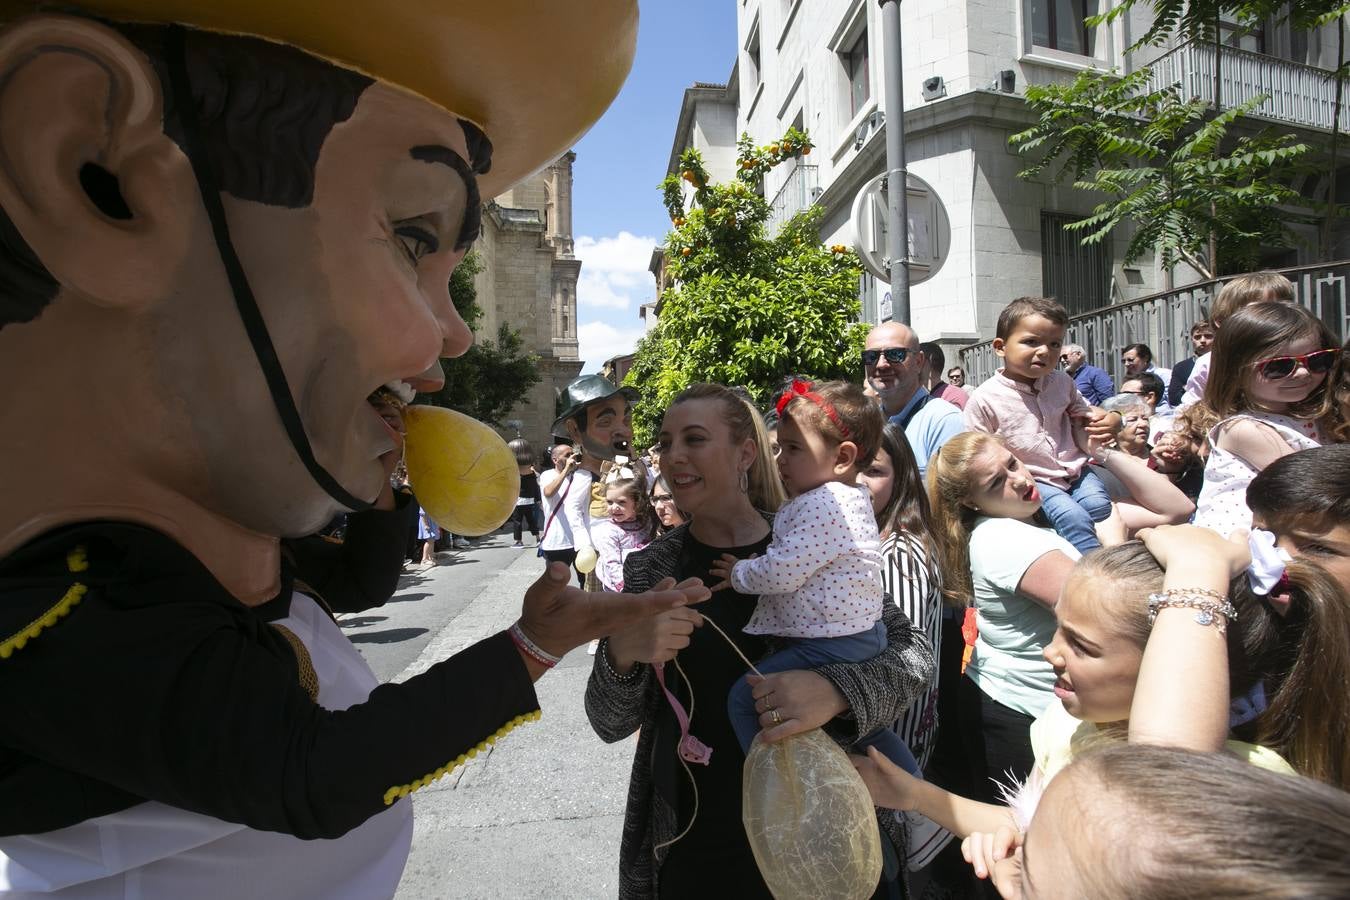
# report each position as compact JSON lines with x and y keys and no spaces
{"x":96,"y":189}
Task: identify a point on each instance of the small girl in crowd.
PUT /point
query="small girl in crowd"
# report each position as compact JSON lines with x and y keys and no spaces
{"x":631,"y":526}
{"x":1244,"y":290}
{"x":819,"y":582}
{"x":1267,"y":386}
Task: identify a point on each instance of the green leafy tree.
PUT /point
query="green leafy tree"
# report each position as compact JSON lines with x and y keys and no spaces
{"x":1198,"y":20}
{"x":1166,"y":165}
{"x":491,"y":376}
{"x":746,"y":308}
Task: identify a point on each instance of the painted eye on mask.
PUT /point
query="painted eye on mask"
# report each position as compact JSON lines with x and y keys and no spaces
{"x":416,"y":242}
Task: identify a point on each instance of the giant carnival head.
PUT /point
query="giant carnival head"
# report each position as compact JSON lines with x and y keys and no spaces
{"x":597,"y":417}
{"x":224,"y":225}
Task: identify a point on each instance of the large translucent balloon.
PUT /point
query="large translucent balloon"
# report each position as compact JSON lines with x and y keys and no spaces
{"x":810,"y":820}
{"x":586,"y":560}
{"x":462,"y":472}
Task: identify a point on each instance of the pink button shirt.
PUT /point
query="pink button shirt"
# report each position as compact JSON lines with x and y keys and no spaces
{"x":1035,"y":421}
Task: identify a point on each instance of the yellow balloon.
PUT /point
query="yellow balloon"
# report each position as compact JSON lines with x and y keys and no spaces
{"x":462,"y":472}
{"x":586,"y":560}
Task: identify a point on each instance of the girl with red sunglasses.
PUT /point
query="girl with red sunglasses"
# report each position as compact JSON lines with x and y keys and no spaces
{"x":1266,"y":387}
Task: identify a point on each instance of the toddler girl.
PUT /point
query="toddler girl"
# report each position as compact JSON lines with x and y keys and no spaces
{"x":1269,"y":373}
{"x":630,"y":526}
{"x":819,"y":582}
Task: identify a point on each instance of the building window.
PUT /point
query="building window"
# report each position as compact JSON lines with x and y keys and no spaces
{"x":1247,"y":37}
{"x":752,"y":58}
{"x":1078,"y":275}
{"x":1060,"y":25}
{"x":856,"y":71}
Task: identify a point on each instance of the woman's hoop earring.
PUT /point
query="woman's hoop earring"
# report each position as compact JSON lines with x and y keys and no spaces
{"x":744,"y":482}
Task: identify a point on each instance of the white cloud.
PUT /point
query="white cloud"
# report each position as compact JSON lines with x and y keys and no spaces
{"x":614,"y":271}
{"x":600,"y":341}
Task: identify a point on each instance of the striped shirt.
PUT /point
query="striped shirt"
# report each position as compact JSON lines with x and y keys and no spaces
{"x":915,"y":585}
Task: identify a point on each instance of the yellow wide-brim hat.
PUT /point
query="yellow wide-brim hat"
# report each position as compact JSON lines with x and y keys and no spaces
{"x":533,"y":75}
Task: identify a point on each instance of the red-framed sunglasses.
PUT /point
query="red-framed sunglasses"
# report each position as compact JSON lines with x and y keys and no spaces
{"x":1318,"y":362}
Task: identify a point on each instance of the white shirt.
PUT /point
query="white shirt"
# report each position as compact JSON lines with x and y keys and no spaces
{"x":821,"y":574}
{"x":1195,"y":384}
{"x":154,"y":851}
{"x":557,"y":530}
{"x":576,"y":509}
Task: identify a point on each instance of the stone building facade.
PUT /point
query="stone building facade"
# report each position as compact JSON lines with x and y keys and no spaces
{"x":820,"y":65}
{"x":529,"y":282}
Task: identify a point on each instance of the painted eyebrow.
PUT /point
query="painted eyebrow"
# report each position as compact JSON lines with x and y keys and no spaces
{"x":436,"y":153}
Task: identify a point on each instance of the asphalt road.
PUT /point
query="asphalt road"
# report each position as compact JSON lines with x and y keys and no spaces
{"x":540,"y":814}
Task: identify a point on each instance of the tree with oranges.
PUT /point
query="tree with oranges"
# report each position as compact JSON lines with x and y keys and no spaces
{"x":746,"y":307}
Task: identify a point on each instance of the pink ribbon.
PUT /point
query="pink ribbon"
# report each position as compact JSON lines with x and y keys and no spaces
{"x":691,"y":748}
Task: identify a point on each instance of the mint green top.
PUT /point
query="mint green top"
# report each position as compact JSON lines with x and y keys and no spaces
{"x":1014,"y":629}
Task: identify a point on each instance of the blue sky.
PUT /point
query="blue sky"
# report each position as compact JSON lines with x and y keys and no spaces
{"x":617,"y":215}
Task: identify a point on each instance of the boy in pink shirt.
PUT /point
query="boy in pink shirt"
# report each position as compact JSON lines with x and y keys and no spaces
{"x":1037,"y":409}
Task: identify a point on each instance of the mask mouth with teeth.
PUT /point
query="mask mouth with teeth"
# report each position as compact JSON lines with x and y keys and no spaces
{"x":390,"y":400}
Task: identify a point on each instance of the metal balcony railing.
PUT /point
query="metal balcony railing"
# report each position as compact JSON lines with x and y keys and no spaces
{"x":1295,"y":94}
{"x":1163,"y":321}
{"x":797,"y":193}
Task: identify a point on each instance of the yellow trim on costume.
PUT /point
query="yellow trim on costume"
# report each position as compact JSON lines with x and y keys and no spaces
{"x":76,"y":561}
{"x":403,"y":790}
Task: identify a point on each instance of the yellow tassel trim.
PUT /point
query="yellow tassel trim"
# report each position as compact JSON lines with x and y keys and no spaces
{"x":76,"y":561}
{"x":403,"y":790}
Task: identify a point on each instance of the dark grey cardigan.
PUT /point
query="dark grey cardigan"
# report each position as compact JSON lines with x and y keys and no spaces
{"x":878,"y":691}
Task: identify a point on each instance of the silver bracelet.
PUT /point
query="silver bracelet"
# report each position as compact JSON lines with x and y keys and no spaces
{"x":1208,"y":610}
{"x":602,"y":654}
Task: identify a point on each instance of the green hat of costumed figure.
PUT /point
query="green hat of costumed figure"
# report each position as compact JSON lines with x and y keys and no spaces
{"x":584,"y":391}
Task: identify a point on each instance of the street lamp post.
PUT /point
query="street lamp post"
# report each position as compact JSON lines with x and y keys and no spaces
{"x":897,"y":176}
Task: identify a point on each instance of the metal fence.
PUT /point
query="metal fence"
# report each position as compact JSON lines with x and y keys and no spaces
{"x":1163,"y":320}
{"x":1294,"y":93}
{"x":797,"y":193}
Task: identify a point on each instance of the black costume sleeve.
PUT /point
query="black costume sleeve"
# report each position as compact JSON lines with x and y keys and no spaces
{"x":160,"y":686}
{"x":362,"y":572}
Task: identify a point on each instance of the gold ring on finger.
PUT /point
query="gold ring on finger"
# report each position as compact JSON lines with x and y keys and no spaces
{"x":777,"y":719}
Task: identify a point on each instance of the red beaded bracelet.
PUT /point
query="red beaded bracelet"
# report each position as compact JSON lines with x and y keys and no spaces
{"x":531,"y":649}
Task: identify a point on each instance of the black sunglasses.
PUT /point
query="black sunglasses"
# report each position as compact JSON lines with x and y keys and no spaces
{"x":1277,"y":367}
{"x":894,"y":355}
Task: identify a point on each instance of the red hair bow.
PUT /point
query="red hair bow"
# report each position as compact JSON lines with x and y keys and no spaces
{"x":802,"y":389}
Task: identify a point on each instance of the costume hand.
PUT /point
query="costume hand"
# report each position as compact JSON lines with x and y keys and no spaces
{"x":559,"y":617}
{"x":889,"y":785}
{"x":997,"y":857}
{"x":802,"y":699}
{"x":721,"y":570}
{"x":1181,"y":549}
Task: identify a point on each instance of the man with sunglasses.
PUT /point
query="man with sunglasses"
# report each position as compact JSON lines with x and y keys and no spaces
{"x":1093,"y":383}
{"x":895,"y":368}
